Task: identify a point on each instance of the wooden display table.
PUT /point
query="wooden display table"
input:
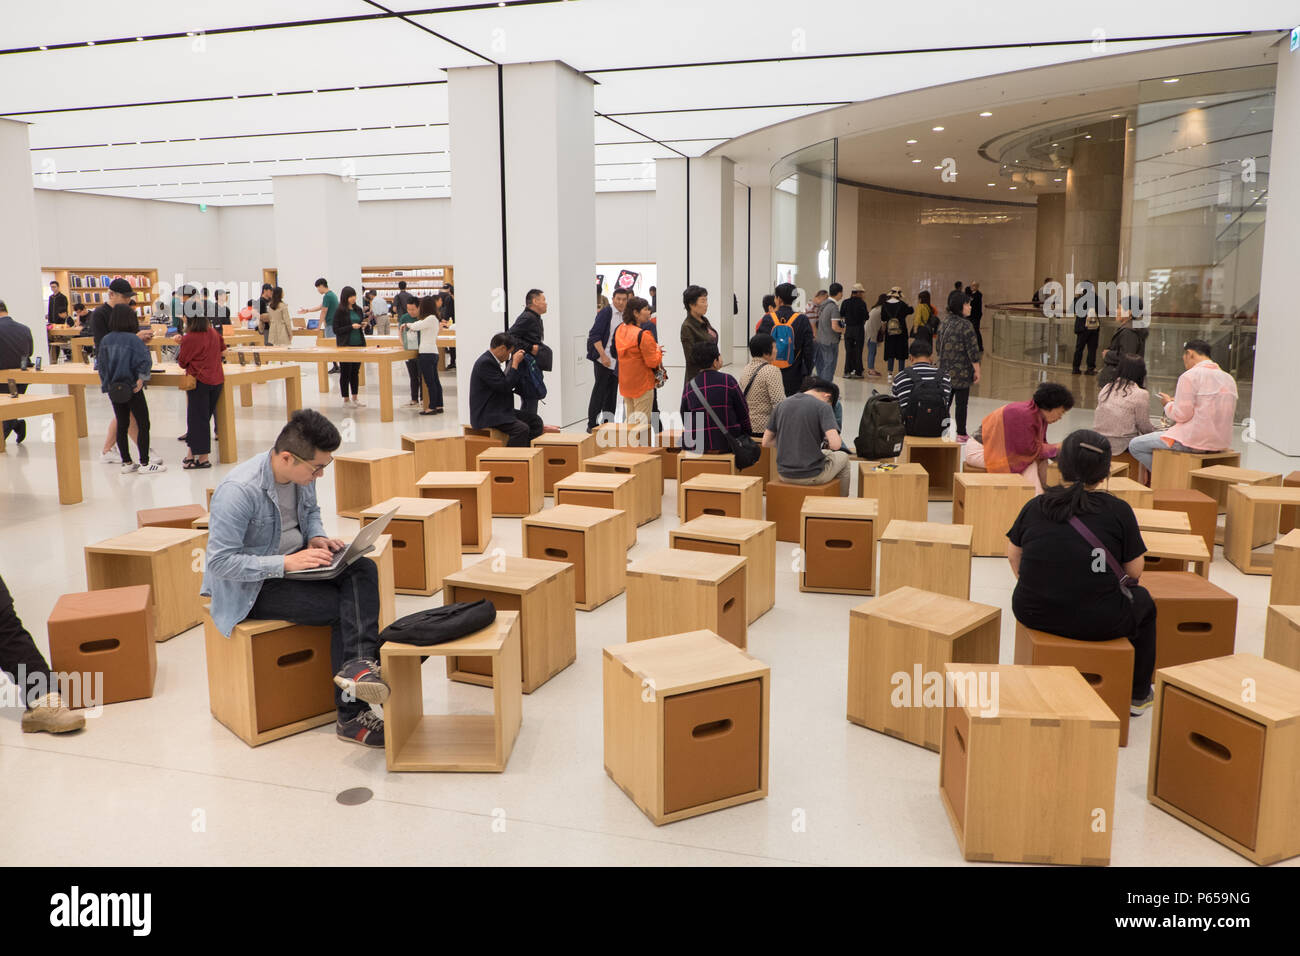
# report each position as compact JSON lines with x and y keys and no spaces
{"x":1285,"y":587}
{"x":914,"y":553}
{"x":686,"y":724}
{"x":1135,"y":493}
{"x":436,"y":451}
{"x":837,"y":543}
{"x":543,"y":594}
{"x":375,"y":474}
{"x":516,"y":480}
{"x":562,"y":455}
{"x":990,"y":504}
{"x":414,"y":740}
{"x":941,"y":460}
{"x":601,"y":490}
{"x":67,"y":458}
{"x":426,"y":541}
{"x":591,"y":539}
{"x":647,"y":475}
{"x":1281,"y":636}
{"x":753,"y":540}
{"x":672,"y":591}
{"x":911,"y":632}
{"x":1029,"y":781}
{"x":729,"y":496}
{"x":321,"y":356}
{"x":1224,"y":761}
{"x":472,"y":489}
{"x":901,"y":491}
{"x":1185,"y":548}
{"x":169,"y":560}
{"x":1252,"y":508}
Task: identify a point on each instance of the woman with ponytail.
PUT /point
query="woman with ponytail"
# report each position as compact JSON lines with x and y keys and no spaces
{"x":1077,"y":554}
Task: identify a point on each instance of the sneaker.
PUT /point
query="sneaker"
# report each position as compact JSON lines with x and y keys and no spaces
{"x":1139,"y":707}
{"x":357,"y":403}
{"x":111,"y":458}
{"x":359,"y":679}
{"x":50,"y":715}
{"x":963,"y":439}
{"x":366,"y":728}
{"x":130,"y":468}
{"x":153,"y":468}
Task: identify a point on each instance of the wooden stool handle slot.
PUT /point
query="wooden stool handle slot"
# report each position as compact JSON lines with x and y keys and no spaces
{"x":714,"y":728}
{"x":295,"y":657}
{"x":1211,"y":747}
{"x":101,"y":646}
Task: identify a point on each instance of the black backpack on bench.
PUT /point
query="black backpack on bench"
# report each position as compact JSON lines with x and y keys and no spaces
{"x":880,"y":430}
{"x":438,"y":625}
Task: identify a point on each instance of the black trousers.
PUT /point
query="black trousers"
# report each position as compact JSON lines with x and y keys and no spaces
{"x":19,"y":425}
{"x":961,"y":396}
{"x":413,"y":372}
{"x":1138,"y":625}
{"x":855,"y":338}
{"x":1089,"y":338}
{"x":18,"y":650}
{"x":349,"y":374}
{"x":522,"y":430}
{"x":138,"y":409}
{"x":975,"y":324}
{"x":200,"y":407}
{"x":428,"y":363}
{"x":604,"y":396}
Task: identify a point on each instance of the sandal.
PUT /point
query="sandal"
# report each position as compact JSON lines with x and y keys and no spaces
{"x":193,"y":463}
{"x":187,"y":460}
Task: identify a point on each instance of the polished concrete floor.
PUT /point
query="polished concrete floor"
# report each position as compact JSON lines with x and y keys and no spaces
{"x":159,"y":781}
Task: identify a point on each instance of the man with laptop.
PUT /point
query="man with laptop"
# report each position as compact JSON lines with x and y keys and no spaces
{"x":267,"y":558}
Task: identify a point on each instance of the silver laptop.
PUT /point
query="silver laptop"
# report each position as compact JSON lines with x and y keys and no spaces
{"x":362,"y":544}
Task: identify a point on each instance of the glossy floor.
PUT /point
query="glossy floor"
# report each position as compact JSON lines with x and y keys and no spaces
{"x":160,"y":781}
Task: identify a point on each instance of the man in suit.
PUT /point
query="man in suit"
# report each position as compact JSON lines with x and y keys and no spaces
{"x":492,"y":393}
{"x":604,"y":393}
{"x":57,"y":312}
{"x":15,"y":346}
{"x":529,"y":334}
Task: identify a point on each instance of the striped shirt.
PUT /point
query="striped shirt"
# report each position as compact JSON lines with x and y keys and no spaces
{"x":906,"y":380}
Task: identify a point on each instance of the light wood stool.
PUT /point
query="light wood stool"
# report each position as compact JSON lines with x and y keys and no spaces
{"x":1214,"y":481}
{"x":764,"y":469}
{"x":543,"y":594}
{"x":753,"y":540}
{"x":1173,"y":469}
{"x":426,"y":541}
{"x":729,"y":496}
{"x":436,"y":451}
{"x":1135,"y":493}
{"x":1285,"y":587}
{"x":901,"y":491}
{"x":940,"y":458}
{"x":1107,"y":666}
{"x":686,"y":724}
{"x":990,"y":504}
{"x":897,"y":643}
{"x":602,"y":490}
{"x":669,"y":450}
{"x":620,"y":435}
{"x":473,"y":490}
{"x":672,"y":591}
{"x":646,"y":472}
{"x":169,"y":560}
{"x":1201,"y":513}
{"x":414,"y":740}
{"x":178,"y":516}
{"x":516,"y":480}
{"x":107,"y":632}
{"x":1252,"y":508}
{"x":1225,"y":765}
{"x":1118,"y":469}
{"x":591,"y":539}
{"x":1290,"y":513}
{"x":837,"y":545}
{"x":479,"y":440}
{"x":562,"y":454}
{"x":1281,"y":636}
{"x":690,"y":464}
{"x":363,"y":477}
{"x":1177,"y":552}
{"x":1170,"y":522}
{"x":784,"y":501}
{"x":1194,"y":619}
{"x":1031,"y":781}
{"x":913,"y":553}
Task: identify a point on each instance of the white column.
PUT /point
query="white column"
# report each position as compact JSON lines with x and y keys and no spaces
{"x":670,"y":264}
{"x":1273,"y":404}
{"x":762,"y":268}
{"x":20,"y":258}
{"x":317,"y":235}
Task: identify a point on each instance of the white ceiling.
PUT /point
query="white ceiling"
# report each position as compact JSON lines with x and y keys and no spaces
{"x":256,"y":102}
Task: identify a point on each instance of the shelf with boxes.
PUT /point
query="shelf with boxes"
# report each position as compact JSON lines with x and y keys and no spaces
{"x":91,"y":285}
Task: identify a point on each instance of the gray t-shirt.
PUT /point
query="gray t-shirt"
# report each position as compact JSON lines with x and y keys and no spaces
{"x":829,"y":312}
{"x":290,"y":534}
{"x":800,"y":424}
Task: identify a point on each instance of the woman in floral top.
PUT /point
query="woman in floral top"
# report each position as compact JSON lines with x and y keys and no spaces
{"x":761,"y":381}
{"x":959,"y":354}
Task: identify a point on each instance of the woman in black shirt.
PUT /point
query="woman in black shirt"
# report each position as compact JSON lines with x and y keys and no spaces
{"x":348,"y":322}
{"x":1062,"y":587}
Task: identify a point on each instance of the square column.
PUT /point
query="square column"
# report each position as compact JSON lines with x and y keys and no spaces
{"x":317,"y":233}
{"x":20,"y":258}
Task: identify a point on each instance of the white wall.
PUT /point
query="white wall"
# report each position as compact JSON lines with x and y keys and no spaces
{"x":625,"y":226}
{"x":20,"y":278}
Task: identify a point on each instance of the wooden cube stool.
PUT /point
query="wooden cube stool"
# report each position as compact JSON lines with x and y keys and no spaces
{"x":926,"y":554}
{"x":686,"y":724}
{"x":269,"y":679}
{"x":473,"y":490}
{"x":1135,"y":493}
{"x":647,"y":475}
{"x":382,"y":557}
{"x":479,"y":440}
{"x":543,"y":594}
{"x":990,"y":504}
{"x":1173,"y":469}
{"x":1195,"y":620}
{"x":1281,"y":635}
{"x":620,"y":435}
{"x":784,"y":501}
{"x":723,"y":496}
{"x":837,"y":544}
{"x":562,"y":454}
{"x":1285,"y":587}
{"x":1154,"y":519}
{"x":426,"y":541}
{"x":1227,"y":765}
{"x":690,"y":464}
{"x":672,"y":591}
{"x":1023,"y":783}
{"x":940,"y":458}
{"x":1107,"y":666}
{"x":1290,"y":518}
{"x":1179,"y":552}
{"x":753,"y":540}
{"x":436,"y":451}
{"x":1201,"y":512}
{"x":1118,"y":469}
{"x":1253,"y":514}
{"x":178,"y":516}
{"x":1131,"y":464}
{"x":602,"y":490}
{"x":897,"y":643}
{"x":363,"y":477}
{"x":169,"y":560}
{"x":901,"y":491}
{"x":473,"y":743}
{"x":764,"y":469}
{"x":1214,"y":481}
{"x":516,"y":480}
{"x":667,"y":449}
{"x":591,"y":539}
{"x":107,"y":632}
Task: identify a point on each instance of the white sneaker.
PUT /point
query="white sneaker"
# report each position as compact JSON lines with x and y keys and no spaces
{"x":358,"y":403}
{"x":153,"y":468}
{"x":130,"y":468}
{"x":111,"y":458}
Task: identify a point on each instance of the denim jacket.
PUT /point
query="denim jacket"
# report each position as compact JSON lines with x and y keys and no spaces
{"x":244,"y":538}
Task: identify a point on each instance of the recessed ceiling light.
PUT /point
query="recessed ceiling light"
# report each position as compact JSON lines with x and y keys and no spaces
{"x":1116,"y":115}
{"x":1013,"y":187}
{"x":1087,"y":136}
{"x":992,"y":184}
{"x":90,"y":43}
{"x":937,"y":129}
{"x":1172,"y":79}
{"x":44,"y":48}
{"x":1056,"y":144}
{"x":1200,"y":101}
{"x":911,"y":142}
{"x":916,"y":160}
{"x":936,"y":167}
{"x":1057,"y":179}
{"x":986,"y":113}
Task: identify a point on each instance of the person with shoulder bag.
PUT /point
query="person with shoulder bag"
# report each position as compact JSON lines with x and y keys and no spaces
{"x":1087,"y":328}
{"x":124,"y":365}
{"x":640,"y":362}
{"x":200,"y":357}
{"x":715,"y":417}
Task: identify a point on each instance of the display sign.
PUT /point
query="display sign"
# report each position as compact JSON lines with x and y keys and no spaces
{"x":626,"y":280}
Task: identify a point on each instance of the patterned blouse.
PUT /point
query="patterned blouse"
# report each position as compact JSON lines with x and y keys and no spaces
{"x":768,"y":389}
{"x":959,"y":350}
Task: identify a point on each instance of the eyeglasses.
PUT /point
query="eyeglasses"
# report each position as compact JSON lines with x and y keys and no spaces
{"x":316,"y":470}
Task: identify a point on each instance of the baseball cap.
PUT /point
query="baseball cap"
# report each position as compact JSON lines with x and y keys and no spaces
{"x":121,"y":287}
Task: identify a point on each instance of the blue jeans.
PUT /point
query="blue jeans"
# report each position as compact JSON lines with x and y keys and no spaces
{"x":1143,"y":447}
{"x":827,"y":361}
{"x":872,"y":345}
{"x":347,"y":604}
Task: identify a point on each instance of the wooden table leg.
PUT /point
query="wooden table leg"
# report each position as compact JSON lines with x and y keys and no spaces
{"x":293,"y":391}
{"x":67,"y":457}
{"x":246,"y":396}
{"x":385,"y":391}
{"x":78,"y":393}
{"x":323,"y":377}
{"x":226,"y":443}
{"x":361,"y":374}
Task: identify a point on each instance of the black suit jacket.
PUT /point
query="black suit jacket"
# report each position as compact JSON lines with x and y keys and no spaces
{"x":528,"y":329}
{"x":491,"y":393}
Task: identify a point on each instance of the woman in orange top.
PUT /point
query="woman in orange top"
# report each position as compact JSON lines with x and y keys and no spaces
{"x":638,"y":356}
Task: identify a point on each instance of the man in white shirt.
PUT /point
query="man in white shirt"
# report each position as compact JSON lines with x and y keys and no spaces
{"x":379,"y":312}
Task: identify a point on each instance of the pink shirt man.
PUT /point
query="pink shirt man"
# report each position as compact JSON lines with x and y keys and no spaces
{"x":1202,"y":408}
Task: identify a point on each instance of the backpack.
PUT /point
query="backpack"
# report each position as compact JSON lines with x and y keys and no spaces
{"x":880,"y":430}
{"x":531,"y":385}
{"x":660,"y":373}
{"x":894,"y":322}
{"x":927,"y":413}
{"x":783,"y":336}
{"x":437,"y":625}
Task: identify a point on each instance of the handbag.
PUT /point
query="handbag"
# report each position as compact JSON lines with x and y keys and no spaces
{"x":1119,"y":572}
{"x":746,"y":450}
{"x":188,"y":383}
{"x":120,"y":392}
{"x":545,"y":358}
